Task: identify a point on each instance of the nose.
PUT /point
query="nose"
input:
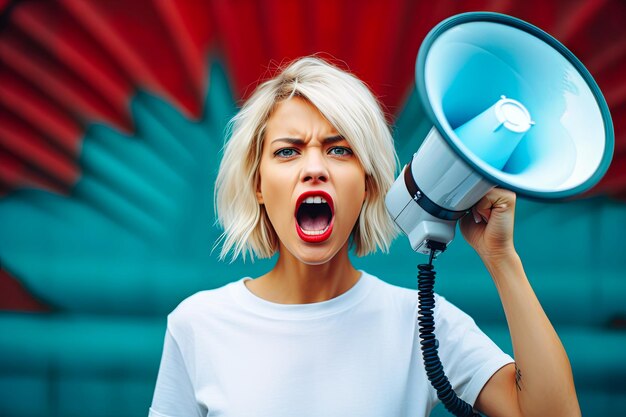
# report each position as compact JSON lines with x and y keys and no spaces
{"x":314,"y":168}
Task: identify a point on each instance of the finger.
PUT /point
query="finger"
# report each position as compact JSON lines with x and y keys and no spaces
{"x":469,"y":225}
{"x":497,"y":199}
{"x":477,"y":217}
{"x":483,"y":207}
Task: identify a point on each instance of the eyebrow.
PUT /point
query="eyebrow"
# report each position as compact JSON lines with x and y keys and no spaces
{"x":325,"y":141}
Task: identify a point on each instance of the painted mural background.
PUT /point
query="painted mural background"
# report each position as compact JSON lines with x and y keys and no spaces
{"x":112,"y":117}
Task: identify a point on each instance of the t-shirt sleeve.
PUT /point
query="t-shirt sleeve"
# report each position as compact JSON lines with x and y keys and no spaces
{"x":174,"y":394}
{"x":468,"y":355}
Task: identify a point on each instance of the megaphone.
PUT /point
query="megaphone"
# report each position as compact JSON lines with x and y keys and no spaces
{"x":510,"y":106}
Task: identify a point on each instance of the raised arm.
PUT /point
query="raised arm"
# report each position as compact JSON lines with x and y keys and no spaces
{"x":540,"y":383}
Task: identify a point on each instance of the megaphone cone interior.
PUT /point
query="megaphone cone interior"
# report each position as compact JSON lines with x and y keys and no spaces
{"x":469,"y":61}
{"x":493,"y":135}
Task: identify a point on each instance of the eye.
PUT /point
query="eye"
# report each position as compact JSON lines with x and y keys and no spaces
{"x":339,"y":151}
{"x":285,"y":153}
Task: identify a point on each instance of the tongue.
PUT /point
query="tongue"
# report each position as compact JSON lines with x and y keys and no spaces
{"x":308,"y":222}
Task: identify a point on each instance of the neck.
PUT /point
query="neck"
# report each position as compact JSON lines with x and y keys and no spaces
{"x":294,"y":282}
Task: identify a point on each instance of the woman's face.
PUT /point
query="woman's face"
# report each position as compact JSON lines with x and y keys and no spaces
{"x":311,"y":183}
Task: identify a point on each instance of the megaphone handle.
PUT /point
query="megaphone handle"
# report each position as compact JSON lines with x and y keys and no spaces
{"x":428,"y":341}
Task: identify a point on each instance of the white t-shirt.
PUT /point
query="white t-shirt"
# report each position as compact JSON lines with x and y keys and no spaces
{"x":229,"y":353}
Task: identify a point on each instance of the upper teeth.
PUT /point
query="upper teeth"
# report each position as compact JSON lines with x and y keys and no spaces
{"x":314,"y":200}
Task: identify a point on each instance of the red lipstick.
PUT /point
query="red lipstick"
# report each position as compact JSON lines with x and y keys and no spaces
{"x":315,"y":236}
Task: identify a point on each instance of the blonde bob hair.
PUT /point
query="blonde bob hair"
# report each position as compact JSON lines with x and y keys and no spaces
{"x":351,"y":108}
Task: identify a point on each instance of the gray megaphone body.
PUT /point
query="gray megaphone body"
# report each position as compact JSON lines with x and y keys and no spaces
{"x":510,"y":106}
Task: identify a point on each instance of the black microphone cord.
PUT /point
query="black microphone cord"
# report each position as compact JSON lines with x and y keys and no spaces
{"x":428,"y":341}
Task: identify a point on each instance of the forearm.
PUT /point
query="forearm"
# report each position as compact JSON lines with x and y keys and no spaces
{"x":544,"y":382}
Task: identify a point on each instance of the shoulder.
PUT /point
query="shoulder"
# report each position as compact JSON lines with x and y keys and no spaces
{"x":408,"y":298}
{"x":203,"y":300}
{"x":382,"y":287}
{"x":201,"y":307}
{"x":392,"y":296}
{"x":446,"y":313}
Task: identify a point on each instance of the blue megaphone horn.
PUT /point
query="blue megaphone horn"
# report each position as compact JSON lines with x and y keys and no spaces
{"x":510,"y":106}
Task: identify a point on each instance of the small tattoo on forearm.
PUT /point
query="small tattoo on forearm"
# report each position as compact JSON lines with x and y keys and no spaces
{"x":518,"y":378}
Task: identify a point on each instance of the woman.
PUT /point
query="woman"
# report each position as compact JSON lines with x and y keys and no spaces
{"x":304,"y":174}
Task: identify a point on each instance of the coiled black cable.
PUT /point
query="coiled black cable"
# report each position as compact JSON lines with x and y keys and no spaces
{"x":428,"y":341}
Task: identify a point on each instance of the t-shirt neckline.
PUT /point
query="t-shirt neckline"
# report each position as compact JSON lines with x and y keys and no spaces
{"x":342,"y":302}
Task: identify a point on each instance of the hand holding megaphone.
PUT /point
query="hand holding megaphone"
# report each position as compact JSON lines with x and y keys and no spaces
{"x":488,"y":228}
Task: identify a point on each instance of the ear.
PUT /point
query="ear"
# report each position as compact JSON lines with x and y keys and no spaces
{"x":259,"y":195}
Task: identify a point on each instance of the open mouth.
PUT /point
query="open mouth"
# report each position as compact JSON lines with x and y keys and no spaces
{"x":314,"y":216}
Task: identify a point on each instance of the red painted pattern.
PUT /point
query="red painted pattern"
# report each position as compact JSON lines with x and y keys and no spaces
{"x":69,"y":63}
{"x":14,"y":297}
